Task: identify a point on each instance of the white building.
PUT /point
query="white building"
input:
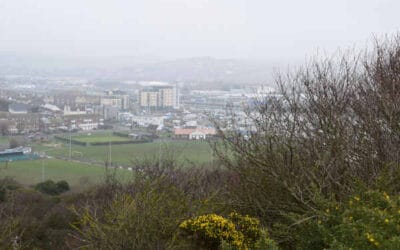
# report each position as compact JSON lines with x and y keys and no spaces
{"x":68,"y":111}
{"x":145,"y":121}
{"x":89,"y":126}
{"x":118,"y":99}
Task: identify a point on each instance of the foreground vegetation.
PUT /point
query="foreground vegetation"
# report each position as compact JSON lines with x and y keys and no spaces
{"x":317,"y":169}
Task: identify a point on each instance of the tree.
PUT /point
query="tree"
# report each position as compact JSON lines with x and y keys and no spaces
{"x":14,"y":143}
{"x":4,"y":126}
{"x":335,"y":122}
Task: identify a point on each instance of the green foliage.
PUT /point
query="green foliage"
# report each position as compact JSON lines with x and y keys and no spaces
{"x":265,"y":242}
{"x":51,"y":188}
{"x":31,"y":220}
{"x":7,"y":183}
{"x":3,"y":193}
{"x":8,"y":234}
{"x":146,"y":220}
{"x":369,"y":220}
{"x":63,"y":186}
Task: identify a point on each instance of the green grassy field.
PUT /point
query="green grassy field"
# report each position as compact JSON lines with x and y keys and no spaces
{"x":97,"y":137}
{"x":76,"y":174}
{"x":4,"y":140}
{"x":80,"y":174}
{"x":192,"y":151}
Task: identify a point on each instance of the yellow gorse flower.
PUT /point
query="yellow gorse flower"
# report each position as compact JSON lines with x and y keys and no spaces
{"x":371,"y":239}
{"x":216,"y":227}
{"x":237,"y":230}
{"x":386,"y":196}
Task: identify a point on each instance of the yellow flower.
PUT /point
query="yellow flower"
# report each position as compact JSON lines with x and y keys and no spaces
{"x":386,"y":220}
{"x":371,"y":239}
{"x":387,"y":197}
{"x":357,"y":198}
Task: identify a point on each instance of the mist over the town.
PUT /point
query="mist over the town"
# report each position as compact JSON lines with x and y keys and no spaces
{"x":259,"y":35}
{"x":199,"y":124}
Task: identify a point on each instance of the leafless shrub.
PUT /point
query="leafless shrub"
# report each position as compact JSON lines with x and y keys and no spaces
{"x":335,"y":122}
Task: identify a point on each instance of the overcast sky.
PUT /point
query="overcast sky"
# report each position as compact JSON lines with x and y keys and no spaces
{"x":252,"y":29}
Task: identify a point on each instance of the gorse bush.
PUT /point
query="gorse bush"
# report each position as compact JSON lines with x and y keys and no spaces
{"x":248,"y":226}
{"x":213,"y":231}
{"x":208,"y":231}
{"x":366,"y":221}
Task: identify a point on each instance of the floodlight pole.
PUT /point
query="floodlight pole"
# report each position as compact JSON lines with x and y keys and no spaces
{"x":70,"y":144}
{"x":159,"y":152}
{"x":43,"y":168}
{"x":109,"y":149}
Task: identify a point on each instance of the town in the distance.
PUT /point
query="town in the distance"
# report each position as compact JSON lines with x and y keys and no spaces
{"x":69,"y":111}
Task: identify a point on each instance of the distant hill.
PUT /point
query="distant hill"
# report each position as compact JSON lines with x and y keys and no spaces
{"x":191,"y":70}
{"x":204,"y":69}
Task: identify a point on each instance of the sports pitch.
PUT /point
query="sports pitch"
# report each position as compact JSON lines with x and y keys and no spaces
{"x":76,"y":174}
{"x":184,"y":151}
{"x":97,"y":137}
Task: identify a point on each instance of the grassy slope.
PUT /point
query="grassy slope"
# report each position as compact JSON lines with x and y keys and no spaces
{"x":30,"y":172}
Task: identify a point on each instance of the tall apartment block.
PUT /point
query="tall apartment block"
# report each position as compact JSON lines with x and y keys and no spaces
{"x":159,"y":97}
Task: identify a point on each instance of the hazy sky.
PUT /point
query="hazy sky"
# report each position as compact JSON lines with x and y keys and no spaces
{"x":261,"y":29}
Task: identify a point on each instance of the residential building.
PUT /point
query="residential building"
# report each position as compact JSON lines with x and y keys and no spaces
{"x":194,"y":133}
{"x":115,"y":98}
{"x":159,"y":97}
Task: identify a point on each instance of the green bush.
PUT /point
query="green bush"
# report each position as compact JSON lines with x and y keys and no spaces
{"x":51,"y":188}
{"x":144,"y":220}
{"x":63,"y":186}
{"x":7,"y":183}
{"x":369,"y":220}
{"x":265,"y":242}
